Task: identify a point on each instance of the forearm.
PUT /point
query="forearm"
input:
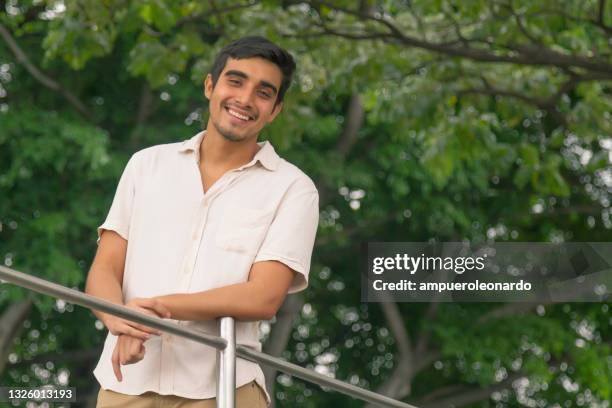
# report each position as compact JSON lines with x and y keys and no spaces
{"x":243,"y":301}
{"x":104,"y":285}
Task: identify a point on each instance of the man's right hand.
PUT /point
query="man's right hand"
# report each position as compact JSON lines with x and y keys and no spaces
{"x":117,"y":325}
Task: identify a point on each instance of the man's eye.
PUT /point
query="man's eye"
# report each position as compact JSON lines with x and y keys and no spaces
{"x":234,"y":82}
{"x":265,"y":94}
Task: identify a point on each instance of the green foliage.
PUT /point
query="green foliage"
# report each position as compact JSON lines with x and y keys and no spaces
{"x":450,"y":148}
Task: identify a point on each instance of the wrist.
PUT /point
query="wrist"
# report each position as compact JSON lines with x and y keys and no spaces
{"x":106,"y":319}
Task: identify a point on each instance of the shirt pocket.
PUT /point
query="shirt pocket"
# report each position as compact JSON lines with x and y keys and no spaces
{"x":243,"y":229}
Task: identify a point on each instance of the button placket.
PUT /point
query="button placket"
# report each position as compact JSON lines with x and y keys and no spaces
{"x":194,"y":247}
{"x":166,"y":380}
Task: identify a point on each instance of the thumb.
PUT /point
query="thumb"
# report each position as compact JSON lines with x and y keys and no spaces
{"x":146,"y":311}
{"x":154,"y":305}
{"x":141,"y":353}
{"x":161,"y":309}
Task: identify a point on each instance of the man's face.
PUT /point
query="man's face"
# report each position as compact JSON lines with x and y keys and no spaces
{"x":242,"y":101}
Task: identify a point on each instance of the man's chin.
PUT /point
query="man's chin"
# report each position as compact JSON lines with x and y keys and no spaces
{"x":231,"y":135}
{"x":234,"y":136}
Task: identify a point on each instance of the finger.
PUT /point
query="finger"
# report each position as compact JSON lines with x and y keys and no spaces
{"x":132,"y":351}
{"x":143,"y":302}
{"x":161,"y":309}
{"x":146,"y":311}
{"x":141,"y":355}
{"x":128,"y":330}
{"x":155,"y":305}
{"x":126,"y":327}
{"x":141,"y":335}
{"x":141,"y":331}
{"x":135,"y":346}
{"x":142,"y":327}
{"x":122,"y":350}
{"x":116,"y":366}
{"x":127,"y":356}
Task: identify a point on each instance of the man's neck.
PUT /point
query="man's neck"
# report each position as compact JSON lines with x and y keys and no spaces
{"x":218,"y":153}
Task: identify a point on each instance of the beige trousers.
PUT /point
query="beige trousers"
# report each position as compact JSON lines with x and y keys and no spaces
{"x":247,"y":396}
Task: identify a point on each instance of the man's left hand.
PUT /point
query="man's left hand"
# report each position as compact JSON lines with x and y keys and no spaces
{"x":129,"y":349}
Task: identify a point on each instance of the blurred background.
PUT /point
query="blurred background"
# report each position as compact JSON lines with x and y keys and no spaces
{"x":418,"y":120}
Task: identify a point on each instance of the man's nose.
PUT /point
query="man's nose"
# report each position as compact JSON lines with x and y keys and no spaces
{"x":245,"y":97}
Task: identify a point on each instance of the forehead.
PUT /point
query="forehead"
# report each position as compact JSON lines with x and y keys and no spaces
{"x":257,"y":69}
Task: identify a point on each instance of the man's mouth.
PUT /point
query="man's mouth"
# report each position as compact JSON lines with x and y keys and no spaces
{"x":240,"y":115}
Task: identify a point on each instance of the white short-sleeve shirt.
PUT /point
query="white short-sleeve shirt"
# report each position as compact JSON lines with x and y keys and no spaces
{"x":181,"y":240}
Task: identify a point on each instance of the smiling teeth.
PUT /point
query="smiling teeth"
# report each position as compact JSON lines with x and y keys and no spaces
{"x":238,"y":115}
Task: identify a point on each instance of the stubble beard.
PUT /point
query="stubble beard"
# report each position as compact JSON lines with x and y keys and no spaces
{"x":229,"y":134}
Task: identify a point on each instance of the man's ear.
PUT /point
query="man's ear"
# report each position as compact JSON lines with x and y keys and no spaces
{"x":275,"y":111}
{"x":208,"y":86}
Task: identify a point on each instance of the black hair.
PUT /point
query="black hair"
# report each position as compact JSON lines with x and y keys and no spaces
{"x":255,"y":46}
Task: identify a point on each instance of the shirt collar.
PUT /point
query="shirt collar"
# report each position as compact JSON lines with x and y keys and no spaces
{"x":266,"y":155}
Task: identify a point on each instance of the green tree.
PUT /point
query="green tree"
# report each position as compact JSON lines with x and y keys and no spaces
{"x":419,"y":120}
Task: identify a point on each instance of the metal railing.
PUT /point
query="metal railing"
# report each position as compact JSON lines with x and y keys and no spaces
{"x":227,"y":350}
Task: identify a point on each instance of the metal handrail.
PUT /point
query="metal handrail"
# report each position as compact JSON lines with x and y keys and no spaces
{"x":227,"y":355}
{"x":226,"y":365}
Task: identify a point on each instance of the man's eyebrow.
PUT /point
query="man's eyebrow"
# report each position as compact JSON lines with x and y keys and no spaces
{"x":240,"y":74}
{"x":233,"y":72}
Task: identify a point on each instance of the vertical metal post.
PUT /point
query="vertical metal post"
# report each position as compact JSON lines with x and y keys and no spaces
{"x":226,"y":365}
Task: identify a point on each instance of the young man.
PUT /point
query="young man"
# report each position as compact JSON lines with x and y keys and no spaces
{"x":218,"y":225}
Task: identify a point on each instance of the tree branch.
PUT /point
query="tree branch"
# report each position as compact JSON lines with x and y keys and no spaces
{"x":398,"y":329}
{"x":11,"y":325}
{"x":540,"y":103}
{"x":145,"y":109}
{"x":564,"y":294}
{"x":216,"y":11}
{"x":456,"y":27}
{"x":69,"y":356}
{"x":356,"y":229}
{"x":471,"y":396}
{"x":41,"y":77}
{"x":293,"y":303}
{"x":438,"y":393}
{"x":354,"y":121}
{"x":399,"y":385}
{"x":559,"y":12}
{"x":509,"y":309}
{"x":218,"y":14}
{"x":600,"y":12}
{"x":547,"y":104}
{"x":519,"y":23}
{"x":418,"y":20}
{"x":422,"y":359}
{"x":423,"y":340}
{"x":282,"y":330}
{"x":524,"y":54}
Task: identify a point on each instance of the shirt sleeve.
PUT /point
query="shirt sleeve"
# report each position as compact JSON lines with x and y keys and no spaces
{"x":290,"y":238}
{"x":119,"y":215}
